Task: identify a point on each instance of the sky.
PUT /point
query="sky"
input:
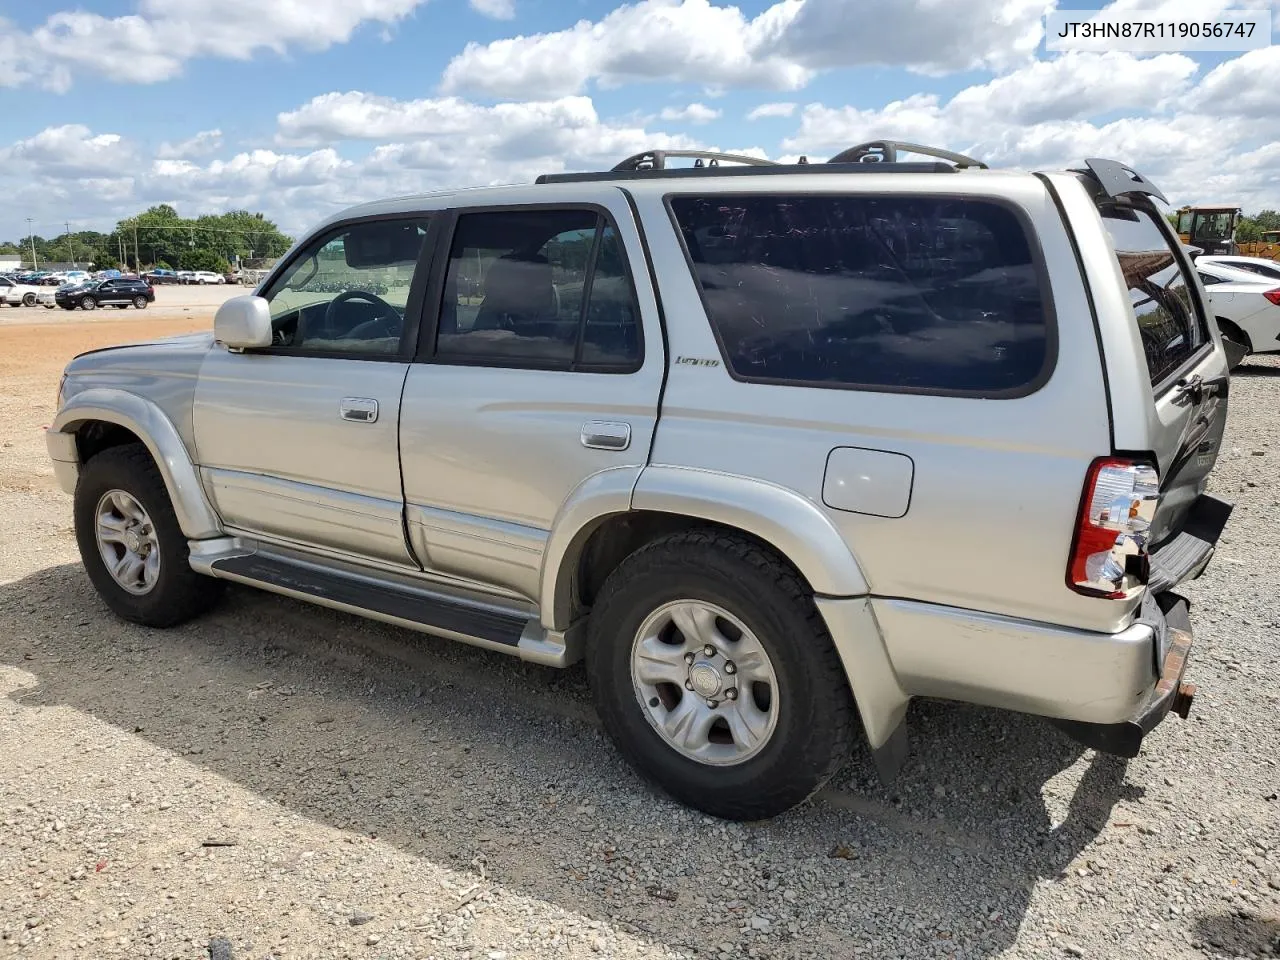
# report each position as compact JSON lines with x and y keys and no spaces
{"x":299,"y":108}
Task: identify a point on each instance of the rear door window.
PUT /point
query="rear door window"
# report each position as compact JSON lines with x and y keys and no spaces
{"x":904,"y":294}
{"x":1159,"y":293}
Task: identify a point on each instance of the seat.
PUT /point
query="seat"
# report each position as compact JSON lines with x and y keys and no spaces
{"x":518,"y":295}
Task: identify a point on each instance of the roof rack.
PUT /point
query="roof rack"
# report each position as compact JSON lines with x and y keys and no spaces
{"x":657,"y":159}
{"x":886,"y":151}
{"x":876,"y":156}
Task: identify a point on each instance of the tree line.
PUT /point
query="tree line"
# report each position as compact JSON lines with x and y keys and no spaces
{"x":158,"y":237}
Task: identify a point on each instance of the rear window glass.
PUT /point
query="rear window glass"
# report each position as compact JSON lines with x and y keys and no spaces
{"x":1158,"y":290}
{"x":924,"y":294}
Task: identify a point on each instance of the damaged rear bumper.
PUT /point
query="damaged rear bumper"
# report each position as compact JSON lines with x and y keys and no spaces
{"x":1170,"y":694}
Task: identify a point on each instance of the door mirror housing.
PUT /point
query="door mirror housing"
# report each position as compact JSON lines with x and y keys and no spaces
{"x":243,"y":322}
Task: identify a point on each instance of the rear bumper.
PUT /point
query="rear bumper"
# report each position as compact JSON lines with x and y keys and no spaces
{"x":1170,"y":693}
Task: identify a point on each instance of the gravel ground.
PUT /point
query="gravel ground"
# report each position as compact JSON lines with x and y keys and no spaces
{"x":306,"y":784}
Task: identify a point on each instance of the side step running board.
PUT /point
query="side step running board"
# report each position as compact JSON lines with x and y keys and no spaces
{"x":392,"y":601}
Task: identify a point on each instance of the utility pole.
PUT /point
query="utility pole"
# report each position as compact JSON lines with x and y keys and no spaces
{"x":32,"y":237}
{"x":71,"y":245}
{"x":137,"y":257}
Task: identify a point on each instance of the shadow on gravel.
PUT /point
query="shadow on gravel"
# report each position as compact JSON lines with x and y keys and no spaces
{"x":1239,"y":935}
{"x":453,"y":753}
{"x":1252,"y":370}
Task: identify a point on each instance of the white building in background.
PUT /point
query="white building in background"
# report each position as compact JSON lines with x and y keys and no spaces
{"x":10,"y":261}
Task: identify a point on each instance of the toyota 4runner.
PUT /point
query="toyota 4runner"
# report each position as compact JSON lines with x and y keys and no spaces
{"x":775,"y":448}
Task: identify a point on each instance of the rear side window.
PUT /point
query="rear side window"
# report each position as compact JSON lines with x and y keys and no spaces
{"x":1271,"y":273}
{"x":908,"y":294}
{"x":1158,"y":290}
{"x":539,"y":288}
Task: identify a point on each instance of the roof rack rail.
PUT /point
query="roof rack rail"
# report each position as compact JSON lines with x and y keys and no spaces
{"x":657,"y":159}
{"x":886,"y":151}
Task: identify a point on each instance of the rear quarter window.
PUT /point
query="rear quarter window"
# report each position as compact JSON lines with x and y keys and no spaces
{"x":902,"y":294}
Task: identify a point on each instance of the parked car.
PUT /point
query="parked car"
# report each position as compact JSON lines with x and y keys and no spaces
{"x":160,"y":276}
{"x":206,"y":276}
{"x":106,"y":293}
{"x":186,"y":276}
{"x":739,"y":436}
{"x":1245,"y":303}
{"x":17,"y":294}
{"x":1257,"y":266}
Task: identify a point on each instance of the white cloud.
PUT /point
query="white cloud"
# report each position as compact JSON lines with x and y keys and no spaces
{"x":153,"y":44}
{"x":772,"y":110}
{"x":1243,"y":87}
{"x":696,"y":41}
{"x":1052,"y":114}
{"x":69,"y":151}
{"x":495,"y":9}
{"x":693,"y":113}
{"x":689,"y":41}
{"x":203,"y":144}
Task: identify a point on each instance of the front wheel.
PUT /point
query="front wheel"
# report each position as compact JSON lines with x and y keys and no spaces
{"x":714,"y":674}
{"x":133,"y":549}
{"x":88,"y":303}
{"x":140,"y":303}
{"x":28,"y":299}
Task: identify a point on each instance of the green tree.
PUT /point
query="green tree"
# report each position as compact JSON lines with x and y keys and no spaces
{"x":1248,"y":230}
{"x":1267,"y":220}
{"x":202,"y":258}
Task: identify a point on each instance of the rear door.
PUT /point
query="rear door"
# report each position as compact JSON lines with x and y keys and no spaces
{"x":542,"y":370}
{"x":1188,"y":371}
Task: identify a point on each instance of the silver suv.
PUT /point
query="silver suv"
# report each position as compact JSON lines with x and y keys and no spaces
{"x":775,"y":448}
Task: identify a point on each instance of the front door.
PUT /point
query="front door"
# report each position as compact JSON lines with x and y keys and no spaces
{"x":543,"y":370}
{"x":297,"y":442}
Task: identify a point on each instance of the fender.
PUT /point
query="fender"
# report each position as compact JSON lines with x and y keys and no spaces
{"x":599,"y":496}
{"x":143,"y":418}
{"x":792,"y":524}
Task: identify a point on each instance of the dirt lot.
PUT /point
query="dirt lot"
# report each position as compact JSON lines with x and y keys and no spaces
{"x":307,"y":784}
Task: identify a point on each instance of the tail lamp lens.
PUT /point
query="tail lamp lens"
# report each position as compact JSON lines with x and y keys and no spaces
{"x":1109,"y":557}
{"x":1273,"y":296}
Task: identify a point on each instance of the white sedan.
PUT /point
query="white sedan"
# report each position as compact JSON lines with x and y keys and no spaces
{"x":1246,"y":304}
{"x":1267,"y":269}
{"x":24,"y":294}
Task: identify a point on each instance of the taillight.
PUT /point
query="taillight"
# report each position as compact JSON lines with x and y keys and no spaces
{"x":1273,"y":296}
{"x":1109,"y":555}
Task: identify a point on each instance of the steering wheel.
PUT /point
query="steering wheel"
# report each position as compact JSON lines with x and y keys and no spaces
{"x":387,"y":324}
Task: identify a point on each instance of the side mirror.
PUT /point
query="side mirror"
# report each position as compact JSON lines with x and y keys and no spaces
{"x":243,"y":322}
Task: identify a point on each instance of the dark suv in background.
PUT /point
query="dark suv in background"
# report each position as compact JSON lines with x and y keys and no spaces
{"x":121,"y":292}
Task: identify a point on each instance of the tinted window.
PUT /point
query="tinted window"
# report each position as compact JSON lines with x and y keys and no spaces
{"x":889,"y":293}
{"x":348,"y":291}
{"x":1208,"y":280}
{"x":1158,"y":290}
{"x":1271,"y":273}
{"x":546,"y":288}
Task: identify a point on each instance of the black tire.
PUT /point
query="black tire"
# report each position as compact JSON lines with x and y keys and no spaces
{"x":1236,"y":338}
{"x":88,"y":303}
{"x":140,"y":303}
{"x":179,"y":592}
{"x":28,"y":299}
{"x":815,"y":725}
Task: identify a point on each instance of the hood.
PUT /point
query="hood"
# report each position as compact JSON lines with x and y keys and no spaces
{"x":169,"y":355}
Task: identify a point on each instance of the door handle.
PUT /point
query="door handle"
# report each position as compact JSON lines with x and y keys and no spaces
{"x":359,"y":409}
{"x":606,"y":435}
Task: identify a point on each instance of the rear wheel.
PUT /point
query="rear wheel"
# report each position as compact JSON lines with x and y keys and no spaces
{"x":715,"y":675}
{"x":88,"y":303}
{"x":132,"y":547}
{"x":140,"y":303}
{"x":1236,"y":342}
